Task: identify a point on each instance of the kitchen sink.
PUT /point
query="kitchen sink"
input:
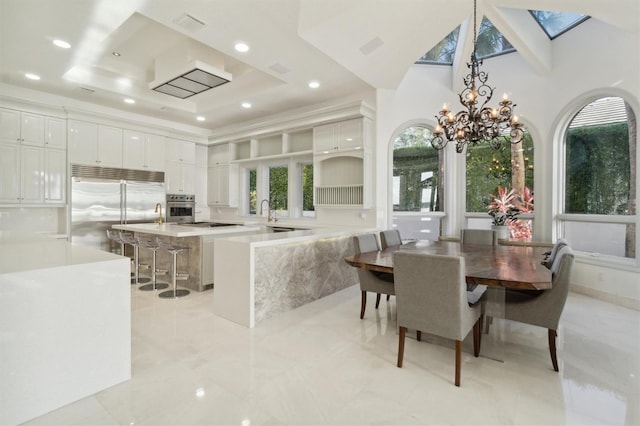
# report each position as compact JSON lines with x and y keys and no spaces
{"x":209,"y":224}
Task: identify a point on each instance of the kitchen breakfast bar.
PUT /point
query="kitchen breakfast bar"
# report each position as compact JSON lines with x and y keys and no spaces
{"x":256,"y":271}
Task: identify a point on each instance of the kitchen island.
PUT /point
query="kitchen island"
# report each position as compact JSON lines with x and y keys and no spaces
{"x":65,"y":324}
{"x":195,"y":265}
{"x":260,"y":275}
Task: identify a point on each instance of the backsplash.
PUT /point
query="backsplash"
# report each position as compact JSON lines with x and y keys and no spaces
{"x":33,"y":219}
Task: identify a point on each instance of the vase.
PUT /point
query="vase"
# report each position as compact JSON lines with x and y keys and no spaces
{"x":502,"y":232}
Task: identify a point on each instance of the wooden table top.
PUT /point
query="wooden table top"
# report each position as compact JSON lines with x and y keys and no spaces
{"x":515,"y":267}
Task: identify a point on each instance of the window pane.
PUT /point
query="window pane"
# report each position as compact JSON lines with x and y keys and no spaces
{"x":417,"y":227}
{"x":308,"y":209}
{"x":601,"y":238}
{"x":278,"y":187}
{"x":490,"y":41}
{"x":252,"y":191}
{"x":417,"y":172}
{"x":597,"y":160}
{"x":509,"y":167}
{"x":556,"y":23}
{"x":443,"y":52}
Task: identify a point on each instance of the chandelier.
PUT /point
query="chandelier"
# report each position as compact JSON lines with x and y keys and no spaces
{"x":478,"y":122}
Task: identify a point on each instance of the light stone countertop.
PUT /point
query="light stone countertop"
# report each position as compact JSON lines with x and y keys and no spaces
{"x":21,"y":252}
{"x":276,"y":238}
{"x":176,"y":230}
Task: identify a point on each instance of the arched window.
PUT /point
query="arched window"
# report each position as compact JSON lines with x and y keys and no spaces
{"x":509,"y":168}
{"x":417,"y":184}
{"x":600,"y":174}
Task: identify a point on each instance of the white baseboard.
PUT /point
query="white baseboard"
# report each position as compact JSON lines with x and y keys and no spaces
{"x":607,"y":297}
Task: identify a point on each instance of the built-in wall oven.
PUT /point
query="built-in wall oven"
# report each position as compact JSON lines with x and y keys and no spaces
{"x":181,"y":208}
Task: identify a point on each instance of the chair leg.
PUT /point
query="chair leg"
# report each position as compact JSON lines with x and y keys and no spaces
{"x":487,"y":324}
{"x":388,"y":297}
{"x":477,"y":332}
{"x":403,"y":332}
{"x":419,"y":335}
{"x":552,"y":349}
{"x":458,"y":360}
{"x":377,"y":300}
{"x":363,"y":304}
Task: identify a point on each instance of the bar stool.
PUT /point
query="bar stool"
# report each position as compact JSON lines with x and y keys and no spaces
{"x":153,"y":245}
{"x":132,"y":240}
{"x":114,"y":236}
{"x":175,"y":293}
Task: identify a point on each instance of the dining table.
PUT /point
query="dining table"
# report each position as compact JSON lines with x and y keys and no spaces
{"x":507,"y":266}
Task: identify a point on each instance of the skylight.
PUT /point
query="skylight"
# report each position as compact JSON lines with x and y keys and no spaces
{"x":491,"y":42}
{"x":556,"y":23}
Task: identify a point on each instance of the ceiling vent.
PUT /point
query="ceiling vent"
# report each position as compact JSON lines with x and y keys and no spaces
{"x":182,"y":72}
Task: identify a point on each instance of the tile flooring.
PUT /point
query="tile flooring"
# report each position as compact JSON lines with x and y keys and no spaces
{"x":320,"y":364}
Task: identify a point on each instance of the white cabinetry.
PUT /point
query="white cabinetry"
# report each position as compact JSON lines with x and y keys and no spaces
{"x":143,"y":151}
{"x":342,"y":164}
{"x":22,"y":174}
{"x":339,"y":137}
{"x":222,"y":177}
{"x":201,"y":175}
{"x":55,"y":177}
{"x":94,"y":144}
{"x":21,"y":127}
{"x":180,"y":167}
{"x":55,"y":133}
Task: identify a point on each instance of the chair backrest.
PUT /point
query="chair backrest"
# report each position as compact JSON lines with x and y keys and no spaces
{"x":546,"y":309}
{"x":554,"y":251}
{"x":431,"y":293}
{"x":365,"y":243}
{"x":390,"y":237}
{"x":478,"y":236}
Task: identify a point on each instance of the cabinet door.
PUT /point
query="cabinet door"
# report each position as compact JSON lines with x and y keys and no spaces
{"x":133,"y":150}
{"x":324,"y":138}
{"x":32,"y":129}
{"x":9,"y":173}
{"x":55,"y":135}
{"x":155,"y":152}
{"x":83,"y":143}
{"x":109,"y":147}
{"x":201,"y":185}
{"x":181,"y":151}
{"x":350,"y":134}
{"x":218,"y":185}
{"x":9,"y":126}
{"x":55,"y":175}
{"x":218,"y":155}
{"x":179,"y":178}
{"x":31,"y":175}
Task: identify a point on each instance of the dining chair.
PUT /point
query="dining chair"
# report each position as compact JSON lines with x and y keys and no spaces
{"x":390,"y":237}
{"x":551,"y":255}
{"x":478,"y":236}
{"x":377,"y":282}
{"x":544,"y":309}
{"x":431,"y":297}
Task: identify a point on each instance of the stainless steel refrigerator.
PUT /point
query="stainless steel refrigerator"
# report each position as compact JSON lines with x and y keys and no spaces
{"x":102,"y":197}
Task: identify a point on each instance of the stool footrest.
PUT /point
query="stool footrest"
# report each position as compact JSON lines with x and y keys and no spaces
{"x":182,"y":276}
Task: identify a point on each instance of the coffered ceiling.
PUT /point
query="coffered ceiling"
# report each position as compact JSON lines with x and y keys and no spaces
{"x":350,"y":47}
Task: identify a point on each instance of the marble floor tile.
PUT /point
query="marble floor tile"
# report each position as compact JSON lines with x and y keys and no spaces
{"x":321,"y":364}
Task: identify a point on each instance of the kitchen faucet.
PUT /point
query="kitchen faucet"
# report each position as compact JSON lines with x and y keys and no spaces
{"x":268,"y":210}
{"x":159,"y":220}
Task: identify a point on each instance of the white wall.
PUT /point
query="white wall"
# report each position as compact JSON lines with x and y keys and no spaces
{"x":591,"y":60}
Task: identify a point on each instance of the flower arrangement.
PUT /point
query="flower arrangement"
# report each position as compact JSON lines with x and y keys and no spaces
{"x":505,"y":207}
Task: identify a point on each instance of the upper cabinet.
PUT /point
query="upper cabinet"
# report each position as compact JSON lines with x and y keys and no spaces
{"x":55,"y":133}
{"x":181,"y":151}
{"x":218,"y":155}
{"x":94,"y":144}
{"x":339,"y":137}
{"x":20,"y":127}
{"x":143,"y":151}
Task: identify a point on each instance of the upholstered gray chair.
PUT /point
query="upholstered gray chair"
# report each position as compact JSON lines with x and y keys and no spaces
{"x":431,"y":296}
{"x":390,"y":237}
{"x":543,"y":309}
{"x":478,"y":236}
{"x":551,"y":255}
{"x":377,"y":282}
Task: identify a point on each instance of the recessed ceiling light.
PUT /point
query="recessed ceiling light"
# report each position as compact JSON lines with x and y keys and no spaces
{"x":61,"y":43}
{"x":241,"y":47}
{"x":114,"y":53}
{"x":200,"y":118}
{"x":246,"y":105}
{"x":314,"y":84}
{"x":31,"y":76}
{"x":129,"y":101}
